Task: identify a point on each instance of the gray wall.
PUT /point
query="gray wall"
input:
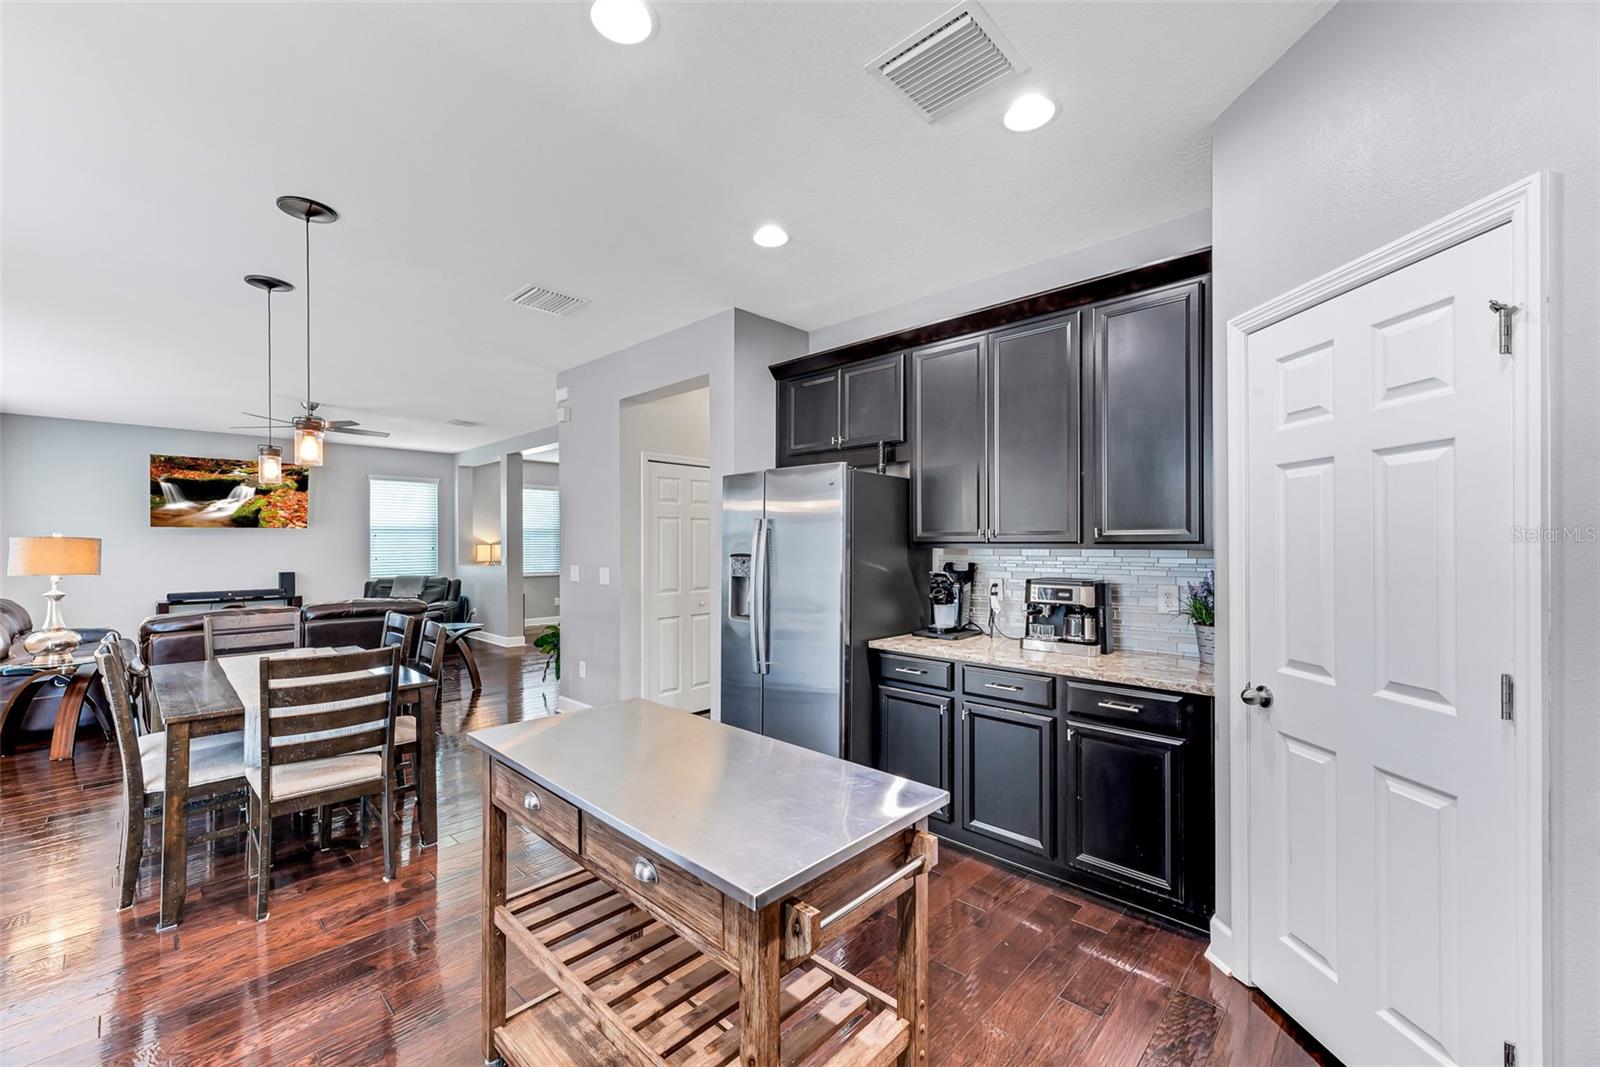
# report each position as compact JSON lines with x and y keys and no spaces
{"x":1383,"y":118}
{"x":730,"y":351}
{"x":105,"y":494}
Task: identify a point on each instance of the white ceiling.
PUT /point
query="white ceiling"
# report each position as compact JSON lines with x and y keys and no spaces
{"x":476,"y":148}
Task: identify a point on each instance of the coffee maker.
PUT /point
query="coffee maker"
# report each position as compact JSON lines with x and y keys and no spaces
{"x":1068,"y":615}
{"x":949,"y":603}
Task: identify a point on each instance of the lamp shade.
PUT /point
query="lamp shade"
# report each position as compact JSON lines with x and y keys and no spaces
{"x":486,"y":553}
{"x":54,"y":555}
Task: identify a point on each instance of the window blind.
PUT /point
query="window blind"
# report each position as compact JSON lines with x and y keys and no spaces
{"x":403,"y":526}
{"x":541,"y":530}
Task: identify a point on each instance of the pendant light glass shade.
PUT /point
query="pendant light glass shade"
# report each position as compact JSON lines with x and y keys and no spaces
{"x":269,"y":465}
{"x":308,"y":442}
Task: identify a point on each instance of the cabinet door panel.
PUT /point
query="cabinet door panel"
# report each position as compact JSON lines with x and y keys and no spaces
{"x":1007,"y":776}
{"x":947,"y":472}
{"x":914,"y":738}
{"x":1146,"y":418}
{"x":872,"y":402}
{"x":1126,"y":804}
{"x":813,"y":412}
{"x":1034,"y":433}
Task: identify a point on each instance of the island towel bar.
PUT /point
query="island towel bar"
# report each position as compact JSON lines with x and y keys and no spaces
{"x":865,"y":895}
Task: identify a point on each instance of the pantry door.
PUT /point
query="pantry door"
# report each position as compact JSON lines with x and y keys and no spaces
{"x":677,"y":585}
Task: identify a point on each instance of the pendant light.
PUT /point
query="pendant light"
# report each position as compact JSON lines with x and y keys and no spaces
{"x":269,"y":460}
{"x":308,"y":428}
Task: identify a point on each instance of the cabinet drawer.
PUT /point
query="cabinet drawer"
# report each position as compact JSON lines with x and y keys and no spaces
{"x":1139,"y":708}
{"x":545,"y":813}
{"x":679,"y":895}
{"x":910,"y":670}
{"x":1009,"y":686}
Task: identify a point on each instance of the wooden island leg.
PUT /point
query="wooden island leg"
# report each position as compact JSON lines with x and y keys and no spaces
{"x":759,"y":950}
{"x":911,"y":968}
{"x":494,"y":896}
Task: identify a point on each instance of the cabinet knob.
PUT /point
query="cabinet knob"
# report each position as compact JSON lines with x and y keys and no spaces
{"x":644,"y":871}
{"x":530,"y":801}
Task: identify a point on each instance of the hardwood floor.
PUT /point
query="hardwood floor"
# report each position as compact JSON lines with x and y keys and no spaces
{"x":349,"y":970}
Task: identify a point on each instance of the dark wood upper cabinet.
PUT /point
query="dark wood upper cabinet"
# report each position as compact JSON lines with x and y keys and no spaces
{"x":872,"y":402}
{"x":811,"y":405}
{"x":1146,"y":418}
{"x":1006,"y":777}
{"x":914,"y":738}
{"x":949,"y":387}
{"x":1034,"y":386}
{"x":1125,"y":810}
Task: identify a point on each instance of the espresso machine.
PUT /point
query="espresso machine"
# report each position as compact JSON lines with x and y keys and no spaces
{"x":949,"y":603}
{"x":1068,"y":615}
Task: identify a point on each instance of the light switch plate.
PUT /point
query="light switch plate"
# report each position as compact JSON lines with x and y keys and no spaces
{"x":583,"y":668}
{"x":574,"y":572}
{"x":605,"y":575}
{"x":1167,"y":599}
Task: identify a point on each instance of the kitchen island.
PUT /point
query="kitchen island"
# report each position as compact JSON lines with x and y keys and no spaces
{"x":712,"y":864}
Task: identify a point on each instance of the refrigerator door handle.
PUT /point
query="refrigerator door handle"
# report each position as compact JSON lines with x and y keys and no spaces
{"x":759,"y":634}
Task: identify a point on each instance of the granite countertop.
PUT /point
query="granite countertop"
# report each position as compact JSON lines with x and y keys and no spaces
{"x":1153,"y":670}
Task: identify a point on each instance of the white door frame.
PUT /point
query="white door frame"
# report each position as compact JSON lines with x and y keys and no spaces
{"x":1526,"y":207}
{"x":646,"y":457}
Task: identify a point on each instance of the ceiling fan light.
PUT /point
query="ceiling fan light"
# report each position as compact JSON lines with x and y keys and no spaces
{"x":308,"y":443}
{"x":269,"y":465}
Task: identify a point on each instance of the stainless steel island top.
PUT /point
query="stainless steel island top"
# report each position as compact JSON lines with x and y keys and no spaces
{"x":754,"y":817}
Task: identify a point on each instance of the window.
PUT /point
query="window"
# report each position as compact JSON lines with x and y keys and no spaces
{"x":541,"y":530}
{"x":403,"y":526}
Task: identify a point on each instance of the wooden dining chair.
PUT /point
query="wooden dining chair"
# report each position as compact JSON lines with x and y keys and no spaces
{"x":429,"y":660}
{"x":231,"y":633}
{"x":216,"y":773}
{"x":326,"y":736}
{"x":399,"y":630}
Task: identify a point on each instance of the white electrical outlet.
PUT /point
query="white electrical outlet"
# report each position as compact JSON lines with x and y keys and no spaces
{"x":583,"y":668}
{"x":555,"y":600}
{"x":1167,"y":599}
{"x":605,"y":575}
{"x":574,"y":572}
{"x":997,"y":594}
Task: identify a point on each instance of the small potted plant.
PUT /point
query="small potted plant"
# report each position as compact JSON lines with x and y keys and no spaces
{"x":1200,"y":608}
{"x":549,"y":642}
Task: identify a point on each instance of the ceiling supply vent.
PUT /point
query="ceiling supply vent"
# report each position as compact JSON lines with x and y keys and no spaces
{"x":948,"y":61}
{"x":462,"y":422}
{"x":548,"y":301}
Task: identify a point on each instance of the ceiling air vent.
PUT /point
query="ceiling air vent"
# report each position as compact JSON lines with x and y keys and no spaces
{"x":462,"y":422}
{"x":548,"y":301}
{"x":948,"y":61}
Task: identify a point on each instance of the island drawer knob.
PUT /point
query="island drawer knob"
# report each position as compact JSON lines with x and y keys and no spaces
{"x":530,"y":800}
{"x":645,"y":871}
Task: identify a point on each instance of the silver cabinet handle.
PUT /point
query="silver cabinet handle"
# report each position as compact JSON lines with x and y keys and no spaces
{"x":1260,"y":696}
{"x":644,"y":871}
{"x":1117,"y":705}
{"x":908,"y":670}
{"x":530,"y":801}
{"x":1003,"y":688}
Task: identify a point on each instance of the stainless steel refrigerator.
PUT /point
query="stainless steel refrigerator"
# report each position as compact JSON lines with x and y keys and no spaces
{"x":816,"y":561}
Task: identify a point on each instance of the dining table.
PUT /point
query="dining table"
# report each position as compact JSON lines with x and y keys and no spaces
{"x":197,"y":699}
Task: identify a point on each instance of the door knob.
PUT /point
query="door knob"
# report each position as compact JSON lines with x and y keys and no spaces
{"x":1257,"y":697}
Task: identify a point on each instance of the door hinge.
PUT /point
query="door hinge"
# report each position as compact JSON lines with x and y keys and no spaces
{"x":1505,"y":311}
{"x":1510,"y":1055}
{"x":1505,"y":697}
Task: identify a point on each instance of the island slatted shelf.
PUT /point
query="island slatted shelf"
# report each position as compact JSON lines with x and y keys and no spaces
{"x":668,"y":967}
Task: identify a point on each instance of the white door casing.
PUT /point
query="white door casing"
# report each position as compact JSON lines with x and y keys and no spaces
{"x":677,"y":592}
{"x":1383,"y":452}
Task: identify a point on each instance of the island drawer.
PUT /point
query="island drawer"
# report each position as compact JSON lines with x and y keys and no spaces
{"x":545,"y":813}
{"x":1009,"y":686}
{"x":653,"y":880}
{"x":911,"y":670}
{"x":1130,"y":707}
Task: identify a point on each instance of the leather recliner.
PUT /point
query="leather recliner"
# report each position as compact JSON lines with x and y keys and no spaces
{"x":442,"y":595}
{"x":15,"y":624}
{"x":181,"y":638}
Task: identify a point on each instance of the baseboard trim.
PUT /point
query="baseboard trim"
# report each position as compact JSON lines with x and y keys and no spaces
{"x":564,"y":703}
{"x":1220,"y":952}
{"x":547,"y":620}
{"x":498,"y":640}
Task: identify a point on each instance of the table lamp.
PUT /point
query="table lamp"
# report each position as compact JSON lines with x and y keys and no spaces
{"x":52,"y":643}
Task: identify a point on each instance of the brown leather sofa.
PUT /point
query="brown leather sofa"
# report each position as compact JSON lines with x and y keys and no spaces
{"x":442,"y":595}
{"x":181,"y":638}
{"x":15,"y":624}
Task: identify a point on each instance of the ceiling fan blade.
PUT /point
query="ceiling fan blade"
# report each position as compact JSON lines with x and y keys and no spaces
{"x":336,"y":423}
{"x":265,"y":418}
{"x":358,"y":433}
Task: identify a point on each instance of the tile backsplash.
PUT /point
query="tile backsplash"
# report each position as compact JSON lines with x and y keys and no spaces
{"x":1133,"y":577}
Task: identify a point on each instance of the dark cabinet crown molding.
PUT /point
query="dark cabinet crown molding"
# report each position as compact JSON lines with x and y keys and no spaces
{"x":1078,"y":294}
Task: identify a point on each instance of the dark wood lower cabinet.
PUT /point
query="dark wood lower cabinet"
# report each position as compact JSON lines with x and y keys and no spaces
{"x":1006,"y":775}
{"x":1125,"y":807}
{"x":914,"y":738}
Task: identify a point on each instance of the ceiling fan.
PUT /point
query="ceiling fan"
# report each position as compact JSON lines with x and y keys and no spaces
{"x":349,"y":426}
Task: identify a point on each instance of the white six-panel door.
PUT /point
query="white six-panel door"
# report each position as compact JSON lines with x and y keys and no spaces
{"x":677,"y":585}
{"x":1379,"y":569}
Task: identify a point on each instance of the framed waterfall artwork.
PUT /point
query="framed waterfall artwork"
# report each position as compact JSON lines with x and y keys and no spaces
{"x":224,"y":493}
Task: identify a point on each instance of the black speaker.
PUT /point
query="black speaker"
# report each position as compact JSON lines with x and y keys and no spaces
{"x":286,"y":582}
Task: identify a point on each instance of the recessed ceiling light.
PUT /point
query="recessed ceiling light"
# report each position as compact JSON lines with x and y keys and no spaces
{"x":1029,"y":111}
{"x":771,"y":236}
{"x":623,"y":21}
